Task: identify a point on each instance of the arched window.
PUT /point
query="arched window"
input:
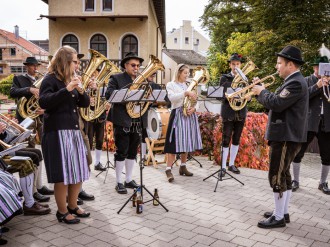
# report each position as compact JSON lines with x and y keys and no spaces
{"x":129,"y":44}
{"x":72,"y":41}
{"x":99,"y":43}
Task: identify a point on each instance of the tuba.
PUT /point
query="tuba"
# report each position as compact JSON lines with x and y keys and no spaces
{"x":28,"y":107}
{"x":154,"y":65}
{"x":200,"y":76}
{"x":107,"y":69}
{"x":240,"y":81}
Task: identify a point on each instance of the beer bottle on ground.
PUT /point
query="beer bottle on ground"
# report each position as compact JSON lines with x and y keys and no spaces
{"x":154,"y":202}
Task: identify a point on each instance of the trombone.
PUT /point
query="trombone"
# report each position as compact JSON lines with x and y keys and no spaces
{"x":236,"y":98}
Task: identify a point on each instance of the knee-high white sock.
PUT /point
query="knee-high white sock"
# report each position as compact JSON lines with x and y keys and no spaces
{"x":39,"y":176}
{"x":129,"y":166}
{"x":279,"y":205}
{"x":324,"y":173}
{"x":27,"y":188}
{"x":119,"y":169}
{"x":35,"y":178}
{"x":143,"y":149}
{"x":287,"y":201}
{"x":296,"y":171}
{"x":97,"y":156}
{"x":233,"y":154}
{"x":225,"y":152}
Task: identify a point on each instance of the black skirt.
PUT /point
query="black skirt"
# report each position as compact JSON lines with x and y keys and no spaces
{"x":170,"y":147}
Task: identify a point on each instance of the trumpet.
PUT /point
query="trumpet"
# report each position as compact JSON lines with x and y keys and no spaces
{"x":246,"y":92}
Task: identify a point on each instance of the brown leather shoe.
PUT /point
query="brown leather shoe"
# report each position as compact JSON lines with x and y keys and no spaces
{"x":36,"y":209}
{"x":169,"y":175}
{"x":184,"y":171}
{"x":43,"y":205}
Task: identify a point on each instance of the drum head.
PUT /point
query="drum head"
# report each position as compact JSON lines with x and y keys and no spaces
{"x":154,"y":124}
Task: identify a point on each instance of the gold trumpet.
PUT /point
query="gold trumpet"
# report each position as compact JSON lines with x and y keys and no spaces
{"x":245,"y":93}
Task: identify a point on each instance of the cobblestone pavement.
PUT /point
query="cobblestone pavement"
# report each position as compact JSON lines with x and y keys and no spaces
{"x":197,"y":216}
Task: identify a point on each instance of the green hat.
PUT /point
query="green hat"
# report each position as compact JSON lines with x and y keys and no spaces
{"x":323,"y":59}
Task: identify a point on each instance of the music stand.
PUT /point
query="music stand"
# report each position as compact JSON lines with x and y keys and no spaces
{"x":156,"y":95}
{"x":217,"y":92}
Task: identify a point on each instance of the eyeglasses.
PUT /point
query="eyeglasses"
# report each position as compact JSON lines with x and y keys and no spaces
{"x":134,"y":65}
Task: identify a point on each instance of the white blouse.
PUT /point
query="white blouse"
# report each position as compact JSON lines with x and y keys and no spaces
{"x":175,"y":93}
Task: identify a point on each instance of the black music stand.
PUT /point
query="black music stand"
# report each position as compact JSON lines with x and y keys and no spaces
{"x":138,"y":96}
{"x":189,"y":157}
{"x":217,"y":92}
{"x":109,"y":163}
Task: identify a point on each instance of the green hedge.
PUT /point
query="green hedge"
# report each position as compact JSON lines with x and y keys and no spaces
{"x":5,"y":85}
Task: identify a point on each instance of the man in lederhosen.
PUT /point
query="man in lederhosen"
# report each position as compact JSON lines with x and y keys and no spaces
{"x":318,"y":125}
{"x":286,"y":129}
{"x":125,"y":128}
{"x":232,"y":121}
{"x":23,"y":87}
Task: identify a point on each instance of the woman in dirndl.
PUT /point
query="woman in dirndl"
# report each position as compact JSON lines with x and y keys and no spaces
{"x":183,"y":134}
{"x":10,"y":202}
{"x":62,"y":144}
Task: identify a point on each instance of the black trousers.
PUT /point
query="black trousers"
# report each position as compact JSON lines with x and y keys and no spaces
{"x":96,"y":128}
{"x":126,"y":141}
{"x":232,"y":129}
{"x":323,"y":139}
{"x":34,"y":154}
{"x":281,"y":155}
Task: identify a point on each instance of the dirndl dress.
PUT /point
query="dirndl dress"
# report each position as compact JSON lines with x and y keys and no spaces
{"x":10,"y":202}
{"x":65,"y":158}
{"x":183,"y":133}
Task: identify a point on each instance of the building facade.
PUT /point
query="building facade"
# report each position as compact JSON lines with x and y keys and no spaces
{"x":187,"y":38}
{"x":13,"y":52}
{"x":112,"y":27}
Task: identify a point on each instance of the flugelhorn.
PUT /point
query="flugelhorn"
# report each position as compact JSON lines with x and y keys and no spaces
{"x":245,"y":93}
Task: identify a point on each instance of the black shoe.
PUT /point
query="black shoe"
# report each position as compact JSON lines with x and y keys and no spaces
{"x":85,"y":197}
{"x":234,"y":169}
{"x":295,"y":185}
{"x":3,"y":229}
{"x":131,"y":185}
{"x":75,"y":211}
{"x":100,"y":167}
{"x":3,"y":241}
{"x":62,"y":218}
{"x":45,"y":191}
{"x":271,"y":222}
{"x":286,"y":216}
{"x":40,"y":198}
{"x":120,"y":188}
{"x":80,"y":202}
{"x":324,"y":188}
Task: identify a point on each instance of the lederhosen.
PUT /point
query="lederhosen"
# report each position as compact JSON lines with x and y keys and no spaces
{"x":288,"y":107}
{"x":126,"y":129}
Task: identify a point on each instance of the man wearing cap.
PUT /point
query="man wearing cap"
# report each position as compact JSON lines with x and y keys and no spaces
{"x":318,"y":125}
{"x":232,"y":121}
{"x":23,"y":87}
{"x":288,"y":106}
{"x":125,"y":128}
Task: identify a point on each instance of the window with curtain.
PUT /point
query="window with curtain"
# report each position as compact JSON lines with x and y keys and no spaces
{"x":129,"y":44}
{"x":71,"y":40}
{"x":99,"y":43}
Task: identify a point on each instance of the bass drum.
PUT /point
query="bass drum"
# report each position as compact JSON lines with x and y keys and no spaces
{"x":157,"y":122}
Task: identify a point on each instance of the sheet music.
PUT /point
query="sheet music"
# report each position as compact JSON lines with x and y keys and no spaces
{"x":215,"y":92}
{"x":241,"y":74}
{"x":26,"y":123}
{"x":12,"y":149}
{"x":117,"y":96}
{"x":18,"y":158}
{"x":324,"y":69}
{"x":134,"y":95}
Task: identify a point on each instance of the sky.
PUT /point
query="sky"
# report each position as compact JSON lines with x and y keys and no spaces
{"x":27,"y":12}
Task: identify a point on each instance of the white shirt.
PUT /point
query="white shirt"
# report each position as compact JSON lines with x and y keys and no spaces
{"x":175,"y":93}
